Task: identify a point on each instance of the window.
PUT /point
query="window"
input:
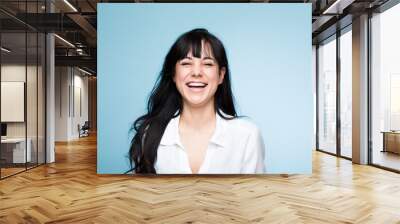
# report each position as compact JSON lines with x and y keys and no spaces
{"x":385,"y":88}
{"x":327,"y":96}
{"x":346,"y":92}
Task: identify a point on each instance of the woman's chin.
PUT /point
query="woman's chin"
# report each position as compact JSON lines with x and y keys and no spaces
{"x":197,"y":102}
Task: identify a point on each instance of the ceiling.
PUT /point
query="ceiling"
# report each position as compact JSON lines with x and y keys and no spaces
{"x":76,"y":22}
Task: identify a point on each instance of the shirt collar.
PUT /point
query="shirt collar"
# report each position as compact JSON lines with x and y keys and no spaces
{"x":171,"y":133}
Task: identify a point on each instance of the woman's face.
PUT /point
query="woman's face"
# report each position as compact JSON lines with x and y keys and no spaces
{"x":197,"y":79}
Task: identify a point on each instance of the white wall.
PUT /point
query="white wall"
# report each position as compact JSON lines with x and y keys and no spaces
{"x":12,"y":73}
{"x":62,"y":81}
{"x":16,"y":72}
{"x":70,"y":84}
{"x":33,"y":127}
{"x":79,"y":117}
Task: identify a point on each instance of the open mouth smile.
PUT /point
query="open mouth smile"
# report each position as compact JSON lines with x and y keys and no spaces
{"x":197,"y":85}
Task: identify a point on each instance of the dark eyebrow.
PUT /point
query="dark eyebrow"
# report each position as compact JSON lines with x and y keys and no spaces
{"x":210,"y":58}
{"x":205,"y":58}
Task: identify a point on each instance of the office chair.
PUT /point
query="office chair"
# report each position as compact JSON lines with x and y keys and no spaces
{"x":84,"y":130}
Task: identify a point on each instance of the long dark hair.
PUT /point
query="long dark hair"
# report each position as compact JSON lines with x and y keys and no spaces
{"x":165,"y":102}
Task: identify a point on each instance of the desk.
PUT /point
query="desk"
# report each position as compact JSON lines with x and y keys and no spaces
{"x":391,"y":141}
{"x":15,"y":148}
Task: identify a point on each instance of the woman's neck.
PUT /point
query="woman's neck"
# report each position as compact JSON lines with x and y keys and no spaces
{"x":198,"y":117}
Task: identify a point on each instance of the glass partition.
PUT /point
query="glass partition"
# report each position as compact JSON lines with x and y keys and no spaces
{"x":13,"y":108}
{"x":22,"y":78}
{"x":385,"y":89}
{"x":346,"y":93}
{"x":327,"y":96}
{"x":31,"y":100}
{"x":41,"y":91}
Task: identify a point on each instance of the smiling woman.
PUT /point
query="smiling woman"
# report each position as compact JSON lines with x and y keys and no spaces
{"x":191,"y":126}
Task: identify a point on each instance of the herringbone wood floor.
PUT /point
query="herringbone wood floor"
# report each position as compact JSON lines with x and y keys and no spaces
{"x":70,"y":191}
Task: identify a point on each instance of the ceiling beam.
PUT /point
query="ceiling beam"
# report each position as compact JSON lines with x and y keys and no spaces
{"x":337,"y":6}
{"x":83,"y":61}
{"x":86,"y":26}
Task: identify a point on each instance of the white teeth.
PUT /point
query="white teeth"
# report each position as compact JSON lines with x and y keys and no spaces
{"x":196,"y":84}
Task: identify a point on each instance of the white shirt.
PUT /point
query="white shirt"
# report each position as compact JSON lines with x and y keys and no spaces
{"x":236,"y":147}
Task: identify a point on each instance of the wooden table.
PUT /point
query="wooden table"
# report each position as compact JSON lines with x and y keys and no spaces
{"x":391,"y":141}
{"x":13,"y":150}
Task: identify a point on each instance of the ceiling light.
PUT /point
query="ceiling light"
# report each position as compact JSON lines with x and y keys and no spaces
{"x":70,"y":5}
{"x":329,"y":9}
{"x":5,"y":50}
{"x":84,"y":71}
{"x":65,"y":41}
{"x":338,"y":6}
{"x":79,"y":51}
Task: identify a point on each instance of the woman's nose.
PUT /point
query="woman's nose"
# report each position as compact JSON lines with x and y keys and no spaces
{"x":197,"y":70}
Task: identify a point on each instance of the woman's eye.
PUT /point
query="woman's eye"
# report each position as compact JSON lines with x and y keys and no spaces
{"x":209,"y":64}
{"x":185,"y":63}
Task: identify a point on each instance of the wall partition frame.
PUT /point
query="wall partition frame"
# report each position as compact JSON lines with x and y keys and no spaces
{"x":326,"y":95}
{"x":23,"y":89}
{"x":333,"y":84}
{"x":383,"y":90}
{"x":384,"y":87}
{"x":345,"y":87}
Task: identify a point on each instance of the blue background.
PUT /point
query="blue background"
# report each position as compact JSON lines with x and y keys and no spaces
{"x":269,"y":51}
